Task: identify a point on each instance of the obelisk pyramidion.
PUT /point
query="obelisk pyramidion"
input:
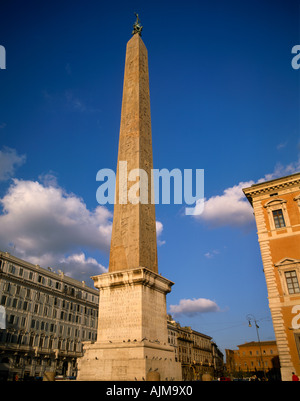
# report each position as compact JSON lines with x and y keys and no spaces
{"x":132,"y":336}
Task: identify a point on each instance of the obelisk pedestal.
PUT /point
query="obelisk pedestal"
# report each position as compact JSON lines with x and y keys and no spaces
{"x":132,"y":329}
{"x":132,"y":336}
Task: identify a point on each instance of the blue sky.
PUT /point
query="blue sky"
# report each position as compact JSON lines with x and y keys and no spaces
{"x":224,"y":98}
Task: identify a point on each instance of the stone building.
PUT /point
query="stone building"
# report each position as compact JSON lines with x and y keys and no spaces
{"x":254,"y":357}
{"x":46,"y":317}
{"x":197,"y":352}
{"x":276,"y":206}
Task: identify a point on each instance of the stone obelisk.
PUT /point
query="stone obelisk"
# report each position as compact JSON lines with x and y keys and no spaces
{"x":132,"y":336}
{"x":133,"y":242}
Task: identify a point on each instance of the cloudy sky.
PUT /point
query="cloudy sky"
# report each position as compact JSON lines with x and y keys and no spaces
{"x":224,"y":98}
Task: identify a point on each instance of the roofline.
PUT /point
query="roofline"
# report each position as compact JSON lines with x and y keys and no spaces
{"x":256,"y":343}
{"x":270,"y":185}
{"x":37,"y":268}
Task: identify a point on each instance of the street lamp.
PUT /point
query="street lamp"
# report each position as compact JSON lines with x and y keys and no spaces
{"x":252,"y":318}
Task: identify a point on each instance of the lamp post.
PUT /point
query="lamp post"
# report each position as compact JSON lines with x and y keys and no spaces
{"x":252,"y":318}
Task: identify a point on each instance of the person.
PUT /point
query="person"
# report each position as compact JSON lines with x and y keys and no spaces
{"x":295,"y":378}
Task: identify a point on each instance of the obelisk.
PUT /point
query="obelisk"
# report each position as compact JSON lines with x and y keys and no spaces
{"x":132,"y":336}
{"x":133,"y":242}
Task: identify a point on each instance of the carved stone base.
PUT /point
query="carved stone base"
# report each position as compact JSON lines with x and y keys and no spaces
{"x":128,"y":362}
{"x":132,"y":337}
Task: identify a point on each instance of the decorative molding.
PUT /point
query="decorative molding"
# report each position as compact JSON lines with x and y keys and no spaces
{"x":273,"y":293}
{"x":275,"y":204}
{"x":283,"y":266}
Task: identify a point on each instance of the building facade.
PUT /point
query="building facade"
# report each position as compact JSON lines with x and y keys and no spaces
{"x":254,"y":357}
{"x":44,"y":319}
{"x":197,"y":352}
{"x":276,"y":206}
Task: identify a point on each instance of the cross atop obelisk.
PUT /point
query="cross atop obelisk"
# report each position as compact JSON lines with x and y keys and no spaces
{"x":137,"y":27}
{"x":133,"y":242}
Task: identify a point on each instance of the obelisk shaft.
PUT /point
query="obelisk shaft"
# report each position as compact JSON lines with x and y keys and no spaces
{"x":133,"y":242}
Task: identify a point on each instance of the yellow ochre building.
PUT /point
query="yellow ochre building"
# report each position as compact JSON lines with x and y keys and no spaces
{"x":276,"y":206}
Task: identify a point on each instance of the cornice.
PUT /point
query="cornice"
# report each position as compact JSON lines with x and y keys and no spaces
{"x":271,"y":186}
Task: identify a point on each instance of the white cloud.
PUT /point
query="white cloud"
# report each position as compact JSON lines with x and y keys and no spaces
{"x":212,"y":254}
{"x":9,"y":161}
{"x":159,"y":229}
{"x":232,"y":208}
{"x":193,"y":307}
{"x":74,"y":103}
{"x":78,"y":266}
{"x":49,"y":227}
{"x":281,"y":145}
{"x":281,"y":170}
{"x":44,"y":224}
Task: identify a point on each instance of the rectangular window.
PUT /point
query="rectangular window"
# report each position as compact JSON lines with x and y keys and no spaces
{"x":11,"y":319}
{"x":297,"y":340}
{"x":278,"y":218}
{"x":12,"y":269}
{"x":3,"y":300}
{"x":292,"y":282}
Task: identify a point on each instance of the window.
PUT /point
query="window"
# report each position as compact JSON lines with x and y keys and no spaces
{"x":278,"y":218}
{"x":12,"y":269}
{"x":278,"y":215}
{"x":292,"y":282}
{"x":11,"y":319}
{"x":297,"y":339}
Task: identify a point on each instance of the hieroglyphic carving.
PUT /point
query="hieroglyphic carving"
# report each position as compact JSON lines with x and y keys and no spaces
{"x":133,"y":242}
